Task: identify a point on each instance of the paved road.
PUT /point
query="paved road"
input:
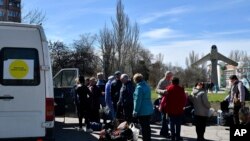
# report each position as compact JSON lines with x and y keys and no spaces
{"x":66,"y":131}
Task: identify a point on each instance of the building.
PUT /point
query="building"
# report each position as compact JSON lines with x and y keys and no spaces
{"x":229,"y":70}
{"x":10,"y":10}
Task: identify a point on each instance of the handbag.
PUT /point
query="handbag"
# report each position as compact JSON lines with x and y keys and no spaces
{"x":162,"y":107}
{"x":135,"y":131}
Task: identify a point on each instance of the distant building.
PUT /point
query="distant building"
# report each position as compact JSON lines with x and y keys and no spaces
{"x":10,"y":10}
{"x":229,"y":70}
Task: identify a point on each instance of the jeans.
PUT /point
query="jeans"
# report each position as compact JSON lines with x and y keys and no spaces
{"x":175,"y":125}
{"x":144,"y":121}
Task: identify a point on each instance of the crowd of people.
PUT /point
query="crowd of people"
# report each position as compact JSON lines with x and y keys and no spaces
{"x":123,"y":99}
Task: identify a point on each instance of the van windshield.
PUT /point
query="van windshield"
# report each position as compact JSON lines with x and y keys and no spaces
{"x":20,"y":66}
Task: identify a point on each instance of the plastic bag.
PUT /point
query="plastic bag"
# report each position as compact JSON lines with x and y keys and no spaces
{"x":135,"y":131}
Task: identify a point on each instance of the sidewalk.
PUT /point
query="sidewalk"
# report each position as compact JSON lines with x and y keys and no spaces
{"x":213,"y":133}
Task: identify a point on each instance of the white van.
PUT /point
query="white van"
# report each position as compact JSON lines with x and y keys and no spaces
{"x":26,"y":87}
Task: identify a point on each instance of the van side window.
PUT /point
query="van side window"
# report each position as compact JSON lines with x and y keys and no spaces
{"x":19,"y":66}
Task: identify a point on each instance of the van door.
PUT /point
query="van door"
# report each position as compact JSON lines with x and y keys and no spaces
{"x":22,"y":93}
{"x":63,"y":83}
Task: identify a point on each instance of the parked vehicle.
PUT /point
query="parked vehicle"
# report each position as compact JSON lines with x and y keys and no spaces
{"x":26,"y":89}
{"x":63,"y":82}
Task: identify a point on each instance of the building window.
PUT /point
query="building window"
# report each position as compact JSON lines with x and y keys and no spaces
{"x":13,"y":14}
{"x":1,"y":13}
{"x":10,"y":13}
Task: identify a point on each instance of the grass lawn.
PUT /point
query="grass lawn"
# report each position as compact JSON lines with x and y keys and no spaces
{"x":211,"y":97}
{"x":214,"y":99}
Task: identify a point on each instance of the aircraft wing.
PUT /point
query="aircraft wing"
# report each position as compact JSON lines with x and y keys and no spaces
{"x":202,"y":60}
{"x":227,"y":60}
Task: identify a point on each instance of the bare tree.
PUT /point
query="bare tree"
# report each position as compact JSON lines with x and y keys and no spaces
{"x":159,"y":67}
{"x":126,"y":38}
{"x":60,"y":55}
{"x":192,"y":58}
{"x":239,"y":56}
{"x":120,"y":45}
{"x":107,"y":46}
{"x":132,"y":47}
{"x":193,"y":74}
{"x":84,"y":57}
{"x":34,"y":16}
{"x":120,"y":25}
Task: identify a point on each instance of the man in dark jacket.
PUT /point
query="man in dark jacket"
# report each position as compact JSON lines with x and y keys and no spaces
{"x":126,"y":98}
{"x":82,"y":103}
{"x":116,"y":85}
{"x":101,"y":82}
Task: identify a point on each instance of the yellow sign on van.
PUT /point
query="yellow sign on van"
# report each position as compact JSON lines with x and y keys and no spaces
{"x":18,"y":69}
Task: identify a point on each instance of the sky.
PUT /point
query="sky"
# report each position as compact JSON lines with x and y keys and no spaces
{"x":173,"y":28}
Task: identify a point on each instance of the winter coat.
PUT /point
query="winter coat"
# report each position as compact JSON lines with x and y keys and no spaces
{"x":200,"y":101}
{"x":115,"y":90}
{"x":175,"y":100}
{"x":142,"y":100}
{"x":237,"y":92}
{"x":108,"y":98}
{"x":83,"y":93}
{"x":101,"y":85}
{"x":94,"y":97}
{"x":126,"y":94}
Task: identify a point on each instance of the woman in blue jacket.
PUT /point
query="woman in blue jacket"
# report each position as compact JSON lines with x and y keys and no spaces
{"x":143,"y":107}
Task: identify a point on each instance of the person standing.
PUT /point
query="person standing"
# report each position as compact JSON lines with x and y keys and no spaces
{"x":201,"y":109}
{"x":94,"y":100}
{"x":108,"y":98}
{"x":101,"y":82}
{"x":161,"y":90}
{"x":126,"y":98}
{"x":143,"y":107}
{"x":101,"y":85}
{"x":236,"y":98}
{"x":175,"y":103}
{"x":83,"y":93}
{"x":115,"y":92}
